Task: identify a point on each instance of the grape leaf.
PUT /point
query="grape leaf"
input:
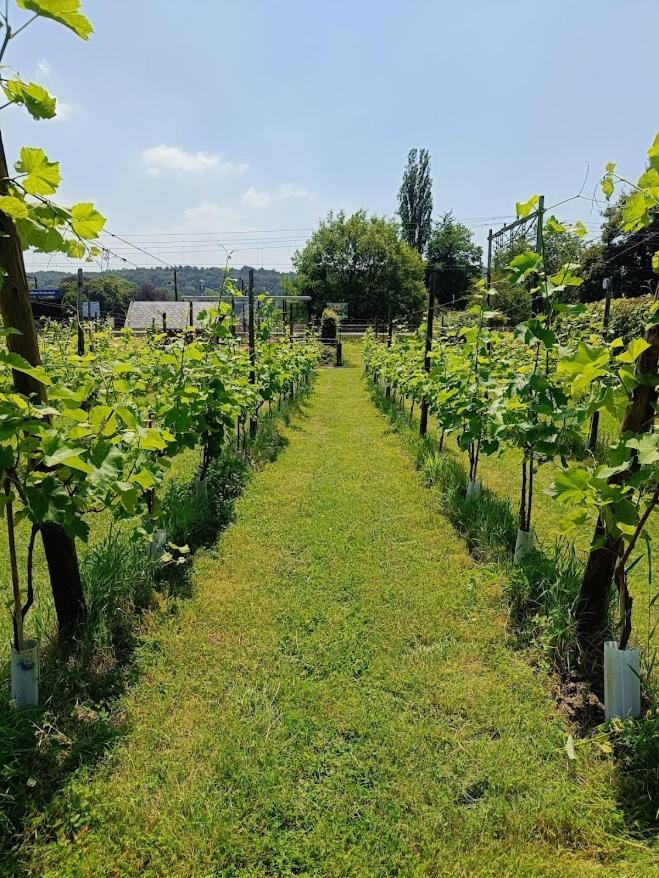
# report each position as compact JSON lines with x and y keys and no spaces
{"x":42,"y":177}
{"x":65,"y":12}
{"x":31,"y":95}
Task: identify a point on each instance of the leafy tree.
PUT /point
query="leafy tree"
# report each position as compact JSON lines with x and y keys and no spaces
{"x":113,"y":293}
{"x":626,"y":256}
{"x":415,"y":200}
{"x":455,"y":257}
{"x":360,"y":260}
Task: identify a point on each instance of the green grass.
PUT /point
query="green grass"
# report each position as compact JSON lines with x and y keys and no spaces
{"x":338,"y":698}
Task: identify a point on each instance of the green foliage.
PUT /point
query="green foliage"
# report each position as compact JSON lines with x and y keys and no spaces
{"x":329,"y":324}
{"x":455,"y":258}
{"x":415,"y":200}
{"x":362,"y":261}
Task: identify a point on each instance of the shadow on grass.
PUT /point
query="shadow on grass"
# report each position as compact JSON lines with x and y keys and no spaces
{"x":542,"y":594}
{"x":125,"y":590}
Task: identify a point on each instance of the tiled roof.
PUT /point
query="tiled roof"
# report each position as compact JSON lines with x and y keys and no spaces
{"x":143,"y":315}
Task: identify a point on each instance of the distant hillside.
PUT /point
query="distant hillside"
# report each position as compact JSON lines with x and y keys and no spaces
{"x":191,"y":280}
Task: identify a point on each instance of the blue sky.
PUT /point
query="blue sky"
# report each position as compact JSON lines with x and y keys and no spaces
{"x":213,"y":122}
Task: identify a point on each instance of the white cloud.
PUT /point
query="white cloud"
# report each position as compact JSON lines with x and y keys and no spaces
{"x":173,"y":158}
{"x":43,"y":68}
{"x":210,"y":217}
{"x":64,"y":110}
{"x":253,"y":198}
{"x":288,"y":190}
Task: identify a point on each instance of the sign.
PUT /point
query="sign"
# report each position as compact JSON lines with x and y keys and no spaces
{"x":91,"y":310}
{"x":341,"y":309}
{"x":47,"y":295}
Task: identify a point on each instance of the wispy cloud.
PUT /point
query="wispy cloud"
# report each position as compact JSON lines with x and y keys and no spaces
{"x":253,"y":198}
{"x":288,"y":190}
{"x":172,"y":158}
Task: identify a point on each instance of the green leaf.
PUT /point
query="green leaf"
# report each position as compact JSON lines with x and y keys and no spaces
{"x":524,"y":208}
{"x":570,"y":484}
{"x":62,"y":454}
{"x":34,"y":97}
{"x":635,"y":213}
{"x":16,"y":362}
{"x":647,"y":447}
{"x":523,"y":264}
{"x":610,"y":167}
{"x":653,"y":152}
{"x":65,"y":12}
{"x":13,"y":207}
{"x":634,"y":350}
{"x":607,"y":186}
{"x":42,"y":177}
{"x":655,"y":261}
{"x":87,"y":222}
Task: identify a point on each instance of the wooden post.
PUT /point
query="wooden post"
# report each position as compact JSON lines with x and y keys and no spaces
{"x":164,"y":321}
{"x":175,"y":286}
{"x":290,"y":323}
{"x":537,"y":303}
{"x":252,"y":348}
{"x":81,"y":334}
{"x":191,"y":315}
{"x":16,"y":312}
{"x":423,"y":424}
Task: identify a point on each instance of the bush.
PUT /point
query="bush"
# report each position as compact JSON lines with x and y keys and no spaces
{"x":329,"y":325}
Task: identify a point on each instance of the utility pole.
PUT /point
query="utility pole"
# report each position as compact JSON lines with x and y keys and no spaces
{"x":607,"y":283}
{"x":252,"y":348}
{"x":175,"y":286}
{"x":423,"y":425}
{"x":81,"y":334}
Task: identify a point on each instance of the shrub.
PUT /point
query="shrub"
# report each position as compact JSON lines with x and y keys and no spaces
{"x":329,"y":325}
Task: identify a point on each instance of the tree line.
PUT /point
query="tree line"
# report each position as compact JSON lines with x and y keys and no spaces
{"x":380,"y":266}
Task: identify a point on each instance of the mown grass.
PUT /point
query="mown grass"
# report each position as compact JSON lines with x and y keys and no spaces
{"x":338,"y":698}
{"x":127,"y":593}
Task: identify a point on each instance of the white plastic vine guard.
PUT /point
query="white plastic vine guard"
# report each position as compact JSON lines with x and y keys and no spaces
{"x":25,"y":672}
{"x":622,"y":681}
{"x":158,"y":545}
{"x":523,"y":544}
{"x":473,"y":488}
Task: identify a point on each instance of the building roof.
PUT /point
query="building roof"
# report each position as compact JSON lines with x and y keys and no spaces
{"x":143,"y":315}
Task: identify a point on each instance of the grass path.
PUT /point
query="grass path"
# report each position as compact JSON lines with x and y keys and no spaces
{"x":338,"y":699}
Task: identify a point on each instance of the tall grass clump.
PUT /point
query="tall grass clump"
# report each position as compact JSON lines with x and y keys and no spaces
{"x":118,"y":579}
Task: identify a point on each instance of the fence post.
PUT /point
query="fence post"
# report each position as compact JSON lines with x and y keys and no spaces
{"x":423,"y":424}
{"x":81,"y":334}
{"x":252,"y":348}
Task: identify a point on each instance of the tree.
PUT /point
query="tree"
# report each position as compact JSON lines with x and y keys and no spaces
{"x":626,"y":256}
{"x":114,"y":294}
{"x":361,"y":260}
{"x":415,"y":200}
{"x":457,"y":260}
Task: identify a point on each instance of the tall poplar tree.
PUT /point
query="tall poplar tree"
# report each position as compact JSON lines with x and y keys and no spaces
{"x":415,"y":200}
